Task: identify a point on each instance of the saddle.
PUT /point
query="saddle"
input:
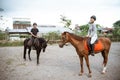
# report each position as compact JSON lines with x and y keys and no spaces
{"x":98,"y":46}
{"x":33,"y":43}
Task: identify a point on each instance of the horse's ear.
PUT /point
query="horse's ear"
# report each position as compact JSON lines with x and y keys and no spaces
{"x":65,"y":32}
{"x":47,"y":41}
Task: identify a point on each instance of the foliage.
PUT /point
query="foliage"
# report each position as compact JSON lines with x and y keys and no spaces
{"x":3,"y":36}
{"x":65,"y":21}
{"x":116,"y":26}
{"x":84,"y":29}
{"x":52,"y":35}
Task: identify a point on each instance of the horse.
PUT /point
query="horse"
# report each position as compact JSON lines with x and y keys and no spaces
{"x":83,"y":52}
{"x":39,"y":44}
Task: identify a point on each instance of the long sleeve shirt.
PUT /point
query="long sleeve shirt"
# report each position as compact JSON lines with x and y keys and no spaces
{"x":92,"y":30}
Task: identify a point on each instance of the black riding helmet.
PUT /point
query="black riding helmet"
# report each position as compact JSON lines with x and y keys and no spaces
{"x":94,"y":17}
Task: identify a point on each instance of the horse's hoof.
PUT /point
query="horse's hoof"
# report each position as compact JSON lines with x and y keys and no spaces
{"x":38,"y":64}
{"x":89,"y":75}
{"x":80,"y":74}
{"x":24,"y":59}
{"x":102,"y":72}
{"x":30,"y":59}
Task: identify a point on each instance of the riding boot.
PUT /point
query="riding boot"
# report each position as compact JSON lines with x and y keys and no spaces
{"x":92,"y":49}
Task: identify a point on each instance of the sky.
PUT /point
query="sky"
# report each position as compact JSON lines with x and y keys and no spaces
{"x":49,"y":11}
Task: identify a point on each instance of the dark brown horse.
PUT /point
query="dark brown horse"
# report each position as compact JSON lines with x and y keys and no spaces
{"x":80,"y":45}
{"x":39,"y":44}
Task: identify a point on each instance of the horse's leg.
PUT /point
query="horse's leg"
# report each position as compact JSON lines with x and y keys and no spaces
{"x":38,"y":54}
{"x":87,"y":63}
{"x":81,"y":64}
{"x":24,"y":56}
{"x":105,"y":57}
{"x":29,"y":53}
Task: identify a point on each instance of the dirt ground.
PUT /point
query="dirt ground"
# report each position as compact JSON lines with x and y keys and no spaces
{"x":56,"y":64}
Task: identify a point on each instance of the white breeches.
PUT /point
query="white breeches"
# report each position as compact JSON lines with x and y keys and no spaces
{"x":93,"y":39}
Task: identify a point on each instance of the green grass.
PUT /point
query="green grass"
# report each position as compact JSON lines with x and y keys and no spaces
{"x":11,"y":43}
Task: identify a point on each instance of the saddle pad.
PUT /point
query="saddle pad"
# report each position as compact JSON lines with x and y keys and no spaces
{"x":98,"y":46}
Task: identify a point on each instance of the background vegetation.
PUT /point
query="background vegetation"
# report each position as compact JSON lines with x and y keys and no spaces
{"x":116,"y":26}
{"x":55,"y":36}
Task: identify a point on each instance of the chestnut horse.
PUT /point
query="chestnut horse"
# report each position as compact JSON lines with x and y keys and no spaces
{"x":79,"y":44}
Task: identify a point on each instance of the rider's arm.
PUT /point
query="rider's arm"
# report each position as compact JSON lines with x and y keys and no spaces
{"x":33,"y":34}
{"x":88,"y":35}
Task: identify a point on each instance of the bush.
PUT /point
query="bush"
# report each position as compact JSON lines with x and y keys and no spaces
{"x":52,"y":35}
{"x":116,"y":26}
{"x":3,"y":36}
{"x":112,"y":37}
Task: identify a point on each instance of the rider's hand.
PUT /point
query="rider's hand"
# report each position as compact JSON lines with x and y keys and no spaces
{"x":87,"y":36}
{"x":37,"y":36}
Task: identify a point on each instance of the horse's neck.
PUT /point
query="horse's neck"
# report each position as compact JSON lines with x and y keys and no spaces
{"x":74,"y":41}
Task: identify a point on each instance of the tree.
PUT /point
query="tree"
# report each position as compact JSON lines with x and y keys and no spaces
{"x":116,"y":26}
{"x":84,"y":29}
{"x":65,"y":21}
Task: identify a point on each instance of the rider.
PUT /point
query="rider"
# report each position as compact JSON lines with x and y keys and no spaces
{"x":34,"y":32}
{"x":92,"y":33}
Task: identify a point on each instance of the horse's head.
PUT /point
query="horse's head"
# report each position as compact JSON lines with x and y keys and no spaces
{"x":64,"y":38}
{"x":44,"y":45}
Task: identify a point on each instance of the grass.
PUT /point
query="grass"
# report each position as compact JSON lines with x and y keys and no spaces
{"x":11,"y":43}
{"x":20,"y":43}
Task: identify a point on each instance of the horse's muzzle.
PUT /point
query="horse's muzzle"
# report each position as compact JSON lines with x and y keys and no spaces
{"x":43,"y":50}
{"x":61,"y":45}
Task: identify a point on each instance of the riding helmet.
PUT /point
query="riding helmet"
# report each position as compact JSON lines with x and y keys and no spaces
{"x":94,"y":17}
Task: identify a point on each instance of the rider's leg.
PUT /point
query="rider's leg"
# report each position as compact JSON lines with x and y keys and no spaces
{"x":30,"y":42}
{"x":92,"y":49}
{"x":88,"y":42}
{"x":93,"y":39}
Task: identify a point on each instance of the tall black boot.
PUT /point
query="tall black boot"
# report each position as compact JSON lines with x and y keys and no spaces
{"x":92,"y":49}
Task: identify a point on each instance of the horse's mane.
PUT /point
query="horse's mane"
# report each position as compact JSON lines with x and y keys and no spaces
{"x":76,"y":36}
{"x":42,"y":40}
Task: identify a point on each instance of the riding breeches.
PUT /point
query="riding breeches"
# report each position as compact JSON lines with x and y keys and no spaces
{"x":93,"y":39}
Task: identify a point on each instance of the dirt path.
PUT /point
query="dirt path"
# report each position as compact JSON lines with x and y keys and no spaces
{"x":56,"y":64}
